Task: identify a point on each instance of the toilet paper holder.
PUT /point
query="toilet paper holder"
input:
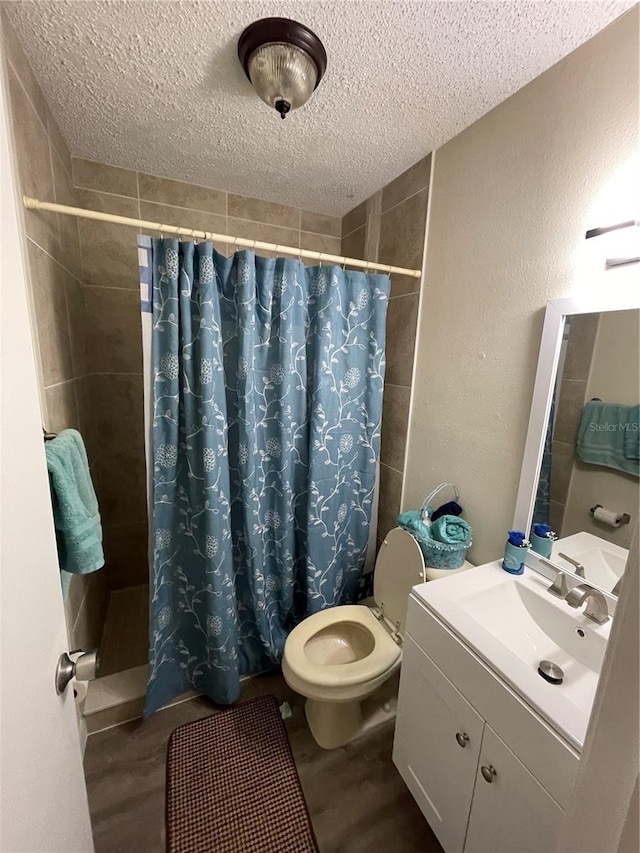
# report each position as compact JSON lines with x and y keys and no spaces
{"x":621,"y":517}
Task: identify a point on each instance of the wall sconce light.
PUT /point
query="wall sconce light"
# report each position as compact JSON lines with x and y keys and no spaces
{"x":625,"y":240}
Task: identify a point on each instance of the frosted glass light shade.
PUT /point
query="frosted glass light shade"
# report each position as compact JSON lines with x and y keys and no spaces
{"x":284,"y":60}
{"x":282,"y":72}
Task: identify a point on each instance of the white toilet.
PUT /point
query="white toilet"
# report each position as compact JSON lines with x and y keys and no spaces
{"x":341,"y":656}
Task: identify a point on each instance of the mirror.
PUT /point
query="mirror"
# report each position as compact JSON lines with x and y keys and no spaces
{"x":581,"y":469}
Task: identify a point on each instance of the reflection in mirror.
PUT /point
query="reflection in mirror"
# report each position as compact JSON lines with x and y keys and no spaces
{"x":588,"y":486}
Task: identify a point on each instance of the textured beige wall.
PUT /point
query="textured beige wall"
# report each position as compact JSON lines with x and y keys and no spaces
{"x":512,"y":197}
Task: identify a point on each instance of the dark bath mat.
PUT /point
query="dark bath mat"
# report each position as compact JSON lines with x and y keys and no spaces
{"x":233,"y":787}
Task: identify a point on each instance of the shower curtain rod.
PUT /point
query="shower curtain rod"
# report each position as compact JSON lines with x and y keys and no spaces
{"x":36,"y":204}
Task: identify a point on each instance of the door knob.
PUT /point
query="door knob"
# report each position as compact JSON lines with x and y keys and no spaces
{"x":83,"y":668}
{"x":462,"y":738}
{"x":488,"y":773}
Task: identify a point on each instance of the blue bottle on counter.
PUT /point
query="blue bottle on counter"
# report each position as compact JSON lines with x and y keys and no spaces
{"x":515,"y":551}
{"x":542,"y":539}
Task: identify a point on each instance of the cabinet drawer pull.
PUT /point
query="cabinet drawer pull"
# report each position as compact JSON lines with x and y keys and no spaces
{"x":488,"y":773}
{"x":462,"y":738}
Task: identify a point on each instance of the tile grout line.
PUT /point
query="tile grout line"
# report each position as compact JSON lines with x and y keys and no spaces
{"x":406,"y":198}
{"x":402,"y":295}
{"x":26,"y":94}
{"x":391,"y":468}
{"x":34,"y":108}
{"x":189,"y":184}
{"x":55,"y":260}
{"x":353,"y":231}
{"x":64,"y":287}
{"x":113,"y":373}
{"x":111,"y":287}
{"x":105,"y":192}
{"x":62,"y":382}
{"x":225,"y":216}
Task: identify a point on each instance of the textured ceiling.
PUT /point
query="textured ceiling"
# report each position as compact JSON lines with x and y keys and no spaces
{"x":156,"y":86}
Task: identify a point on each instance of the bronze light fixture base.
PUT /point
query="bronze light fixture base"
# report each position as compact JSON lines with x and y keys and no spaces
{"x":284,"y":60}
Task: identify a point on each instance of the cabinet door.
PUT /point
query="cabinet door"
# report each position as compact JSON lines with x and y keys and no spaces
{"x":436,"y":745}
{"x":511,"y":813}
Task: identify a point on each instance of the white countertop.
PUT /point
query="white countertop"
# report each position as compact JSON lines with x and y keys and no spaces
{"x":512,"y":622}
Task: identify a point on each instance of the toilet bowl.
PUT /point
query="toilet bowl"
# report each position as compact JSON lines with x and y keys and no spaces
{"x":340,"y":657}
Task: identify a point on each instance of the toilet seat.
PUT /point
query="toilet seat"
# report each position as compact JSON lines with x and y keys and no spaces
{"x":384,"y":656}
{"x":399,"y":567}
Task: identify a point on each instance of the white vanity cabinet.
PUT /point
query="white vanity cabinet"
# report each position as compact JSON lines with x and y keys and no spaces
{"x":464,"y":744}
{"x":511,"y":811}
{"x":437,"y":745}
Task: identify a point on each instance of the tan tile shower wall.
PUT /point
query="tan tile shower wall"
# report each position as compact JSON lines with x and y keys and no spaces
{"x":56,"y":294}
{"x":110,"y":261}
{"x":390,"y":228}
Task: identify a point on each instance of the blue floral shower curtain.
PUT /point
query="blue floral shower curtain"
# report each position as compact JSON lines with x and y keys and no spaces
{"x":267,"y":402}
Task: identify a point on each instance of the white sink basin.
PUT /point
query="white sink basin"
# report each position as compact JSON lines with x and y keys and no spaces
{"x":513,"y":623}
{"x":603,"y":561}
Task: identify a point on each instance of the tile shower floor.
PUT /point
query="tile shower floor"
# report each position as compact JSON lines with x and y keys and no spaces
{"x":356,"y":798}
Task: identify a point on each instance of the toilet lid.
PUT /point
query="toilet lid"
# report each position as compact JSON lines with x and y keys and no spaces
{"x":399,"y":567}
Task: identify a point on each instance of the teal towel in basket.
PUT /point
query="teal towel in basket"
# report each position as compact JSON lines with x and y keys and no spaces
{"x":411,"y":520}
{"x":438,"y":553}
{"x":75,"y":507}
{"x":452,"y":530}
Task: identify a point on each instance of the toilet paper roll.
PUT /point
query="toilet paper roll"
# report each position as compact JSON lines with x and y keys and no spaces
{"x":607,"y":516}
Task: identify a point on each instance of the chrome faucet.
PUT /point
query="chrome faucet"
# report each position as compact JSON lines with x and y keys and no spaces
{"x":596,"y":608}
{"x":575,"y":563}
{"x":559,"y":586}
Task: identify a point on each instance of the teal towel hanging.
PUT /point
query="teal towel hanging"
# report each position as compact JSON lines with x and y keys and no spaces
{"x":75,"y":506}
{"x":601,"y":437}
{"x":632,"y":434}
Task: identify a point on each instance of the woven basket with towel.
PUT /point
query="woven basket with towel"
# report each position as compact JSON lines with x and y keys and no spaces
{"x":443,"y":537}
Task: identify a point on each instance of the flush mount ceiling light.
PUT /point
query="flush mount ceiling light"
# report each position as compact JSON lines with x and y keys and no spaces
{"x":284,"y":61}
